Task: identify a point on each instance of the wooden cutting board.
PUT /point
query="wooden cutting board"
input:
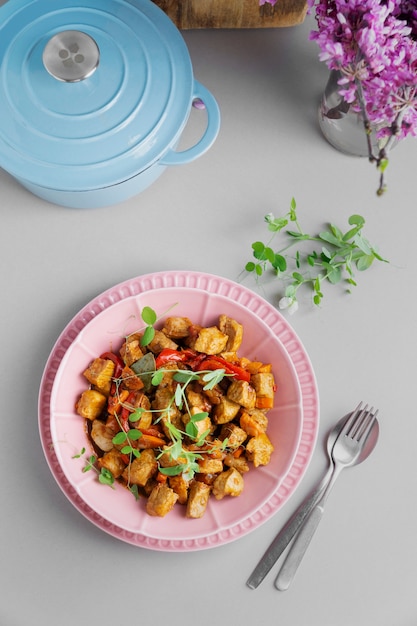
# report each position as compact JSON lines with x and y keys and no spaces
{"x":188,"y":14}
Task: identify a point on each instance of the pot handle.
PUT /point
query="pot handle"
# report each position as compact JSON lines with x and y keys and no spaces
{"x":202,"y":98}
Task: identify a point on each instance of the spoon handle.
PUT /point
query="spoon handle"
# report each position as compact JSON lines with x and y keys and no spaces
{"x":283,"y":538}
{"x":302,"y":541}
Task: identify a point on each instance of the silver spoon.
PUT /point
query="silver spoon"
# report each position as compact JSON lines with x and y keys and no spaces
{"x":352,"y":446}
{"x":287,"y":533}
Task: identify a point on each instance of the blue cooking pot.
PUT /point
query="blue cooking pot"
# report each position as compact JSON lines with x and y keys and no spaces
{"x":94,"y":97}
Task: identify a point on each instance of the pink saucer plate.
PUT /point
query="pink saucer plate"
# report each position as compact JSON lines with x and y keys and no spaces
{"x":268,"y":337}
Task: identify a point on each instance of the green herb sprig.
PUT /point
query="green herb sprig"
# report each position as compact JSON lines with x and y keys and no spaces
{"x":340,"y":253}
{"x":105,"y":477}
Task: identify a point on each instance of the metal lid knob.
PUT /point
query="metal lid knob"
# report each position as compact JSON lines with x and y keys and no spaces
{"x":71,"y":56}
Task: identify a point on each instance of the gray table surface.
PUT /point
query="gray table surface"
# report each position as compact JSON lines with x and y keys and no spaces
{"x":56,"y":567}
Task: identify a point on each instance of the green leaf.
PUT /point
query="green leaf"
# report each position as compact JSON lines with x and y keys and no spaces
{"x":126,"y":450}
{"x":136,"y":415}
{"x":147,"y":336}
{"x":258,"y":270}
{"x":279,"y":262}
{"x":356,"y":219}
{"x":330,"y":238}
{"x":249,"y":267}
{"x":135,"y":491}
{"x":336,"y":231}
{"x":199,"y":417}
{"x":351,"y":233}
{"x":157,"y":377}
{"x":298,"y":277}
{"x":185,"y":376}
{"x":134,"y":434}
{"x":106,"y":477}
{"x":191,"y":429}
{"x":365,"y":262}
{"x":119,"y":438}
{"x":149,"y":316}
{"x":175,"y":470}
{"x":334,"y":275}
{"x":363,"y":244}
{"x":258,"y":249}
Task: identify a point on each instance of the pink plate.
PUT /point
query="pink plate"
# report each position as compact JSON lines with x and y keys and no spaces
{"x":101,"y":325}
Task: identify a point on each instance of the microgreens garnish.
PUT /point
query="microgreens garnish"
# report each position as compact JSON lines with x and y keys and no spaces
{"x":338,"y":255}
{"x":105,"y":477}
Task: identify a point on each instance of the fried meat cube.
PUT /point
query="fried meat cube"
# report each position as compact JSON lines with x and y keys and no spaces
{"x":243,"y":393}
{"x":259,"y":450}
{"x":234,"y":332}
{"x":197,"y":499}
{"x":209,"y":340}
{"x":113,"y":461}
{"x":141,"y":469}
{"x":90,"y":404}
{"x":202,"y":426}
{"x":208,"y":465}
{"x":161,"y":500}
{"x":253,"y":421}
{"x":239,"y":463}
{"x":180,"y":485}
{"x":177,"y":327}
{"x":162,"y":403}
{"x":234,"y":434}
{"x":225,"y":411}
{"x":131,"y":350}
{"x":131,"y":381}
{"x":228,"y":483}
{"x":264,"y":384}
{"x":160,"y":342}
{"x":99,"y":373}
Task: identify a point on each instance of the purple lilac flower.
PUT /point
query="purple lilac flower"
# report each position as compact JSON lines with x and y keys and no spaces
{"x":373,"y":44}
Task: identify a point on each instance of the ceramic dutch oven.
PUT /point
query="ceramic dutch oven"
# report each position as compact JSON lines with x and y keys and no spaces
{"x":94,"y":97}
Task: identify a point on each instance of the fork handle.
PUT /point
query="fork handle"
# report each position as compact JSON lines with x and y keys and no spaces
{"x":298,"y":549}
{"x":305,"y":535}
{"x":283,"y":538}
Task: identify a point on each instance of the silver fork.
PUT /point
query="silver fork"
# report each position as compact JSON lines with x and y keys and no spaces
{"x":345,"y":453}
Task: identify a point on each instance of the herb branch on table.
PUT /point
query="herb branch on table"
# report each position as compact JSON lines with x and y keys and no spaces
{"x":338,"y":255}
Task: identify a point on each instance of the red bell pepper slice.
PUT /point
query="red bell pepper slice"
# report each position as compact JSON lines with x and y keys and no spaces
{"x":216,"y":362}
{"x":168,"y":355}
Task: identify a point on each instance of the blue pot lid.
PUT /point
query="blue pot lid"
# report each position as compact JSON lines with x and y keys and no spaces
{"x":92,"y":92}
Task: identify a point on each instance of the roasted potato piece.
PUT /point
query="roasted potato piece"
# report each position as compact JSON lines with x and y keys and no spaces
{"x":91,"y":404}
{"x":141,"y":469}
{"x":161,"y":500}
{"x":177,"y":327}
{"x":197,"y":499}
{"x":131,"y":350}
{"x":259,"y":450}
{"x":234,"y":332}
{"x":253,"y":421}
{"x":160,"y":342}
{"x":102,"y":435}
{"x":113,"y":461}
{"x":209,"y":340}
{"x":243,"y":393}
{"x":225,"y":411}
{"x":228,"y":483}
{"x":99,"y":373}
